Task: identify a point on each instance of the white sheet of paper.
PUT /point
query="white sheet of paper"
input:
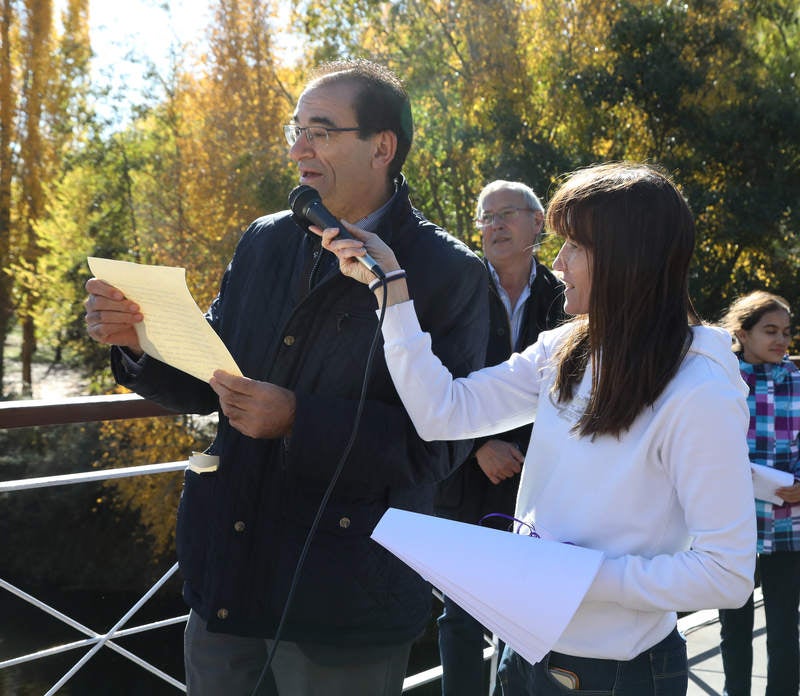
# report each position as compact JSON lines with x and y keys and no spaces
{"x":766,"y":480}
{"x":174,"y":329}
{"x":524,"y":589}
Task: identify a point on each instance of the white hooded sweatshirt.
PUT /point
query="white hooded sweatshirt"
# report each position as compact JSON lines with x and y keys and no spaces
{"x":670,"y":502}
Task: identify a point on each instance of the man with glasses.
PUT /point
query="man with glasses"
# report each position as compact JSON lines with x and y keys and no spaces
{"x":524,"y":299}
{"x":301,"y":331}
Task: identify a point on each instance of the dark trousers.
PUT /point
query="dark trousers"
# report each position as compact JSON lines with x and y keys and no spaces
{"x":663,"y":670}
{"x":461,"y":647}
{"x":780,"y":586}
{"x":218,"y":664}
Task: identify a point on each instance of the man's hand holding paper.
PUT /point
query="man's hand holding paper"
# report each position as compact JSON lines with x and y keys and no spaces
{"x":111,"y":317}
{"x":256,"y":409}
{"x":148,"y":309}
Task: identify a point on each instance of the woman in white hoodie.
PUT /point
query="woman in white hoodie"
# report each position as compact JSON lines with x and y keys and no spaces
{"x":639,"y":447}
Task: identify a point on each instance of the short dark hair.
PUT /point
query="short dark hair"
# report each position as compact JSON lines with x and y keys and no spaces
{"x":640,"y":232}
{"x":381,"y":101}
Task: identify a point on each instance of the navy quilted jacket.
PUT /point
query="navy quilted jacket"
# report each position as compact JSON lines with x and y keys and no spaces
{"x":289,"y":317}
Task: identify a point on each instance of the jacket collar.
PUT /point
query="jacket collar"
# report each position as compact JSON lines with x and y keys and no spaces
{"x":778,"y":372}
{"x":396,"y":208}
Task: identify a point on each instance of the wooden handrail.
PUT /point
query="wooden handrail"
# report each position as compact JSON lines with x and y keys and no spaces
{"x":87,"y":409}
{"x":78,"y":409}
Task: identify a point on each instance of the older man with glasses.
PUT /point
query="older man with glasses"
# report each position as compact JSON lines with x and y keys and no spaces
{"x":301,"y":333}
{"x":524,"y":299}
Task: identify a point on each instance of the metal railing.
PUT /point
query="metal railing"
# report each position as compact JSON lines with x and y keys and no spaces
{"x":17,"y":414}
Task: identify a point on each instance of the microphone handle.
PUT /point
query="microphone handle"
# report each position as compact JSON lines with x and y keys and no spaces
{"x":321,"y":216}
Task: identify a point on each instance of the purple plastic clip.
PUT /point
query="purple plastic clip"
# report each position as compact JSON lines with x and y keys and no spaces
{"x":532,"y":533}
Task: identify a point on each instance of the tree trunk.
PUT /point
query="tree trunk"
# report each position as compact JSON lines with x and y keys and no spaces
{"x":7,"y":103}
{"x":28,"y":349}
{"x":34,"y":171}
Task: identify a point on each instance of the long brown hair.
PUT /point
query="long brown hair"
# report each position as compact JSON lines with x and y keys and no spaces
{"x":640,"y":232}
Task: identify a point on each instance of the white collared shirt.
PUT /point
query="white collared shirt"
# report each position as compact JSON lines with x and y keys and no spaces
{"x":514,"y":313}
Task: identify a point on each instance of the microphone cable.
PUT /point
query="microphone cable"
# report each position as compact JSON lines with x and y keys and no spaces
{"x":328,"y":491}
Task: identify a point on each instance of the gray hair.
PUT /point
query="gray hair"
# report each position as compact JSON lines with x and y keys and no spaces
{"x":531,"y":199}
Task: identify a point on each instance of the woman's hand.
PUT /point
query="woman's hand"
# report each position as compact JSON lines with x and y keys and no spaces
{"x":347,"y":251}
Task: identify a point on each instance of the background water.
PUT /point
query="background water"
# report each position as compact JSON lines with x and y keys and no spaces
{"x":25,"y":629}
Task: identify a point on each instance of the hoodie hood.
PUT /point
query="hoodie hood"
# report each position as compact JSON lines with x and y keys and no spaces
{"x":715,"y":344}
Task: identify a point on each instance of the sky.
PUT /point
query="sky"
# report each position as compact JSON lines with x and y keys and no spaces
{"x":142,"y":29}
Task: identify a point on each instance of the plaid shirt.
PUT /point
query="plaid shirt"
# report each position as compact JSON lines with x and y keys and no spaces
{"x":772,"y":437}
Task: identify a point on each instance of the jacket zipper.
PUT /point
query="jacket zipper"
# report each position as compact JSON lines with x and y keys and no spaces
{"x":505,"y":314}
{"x":317,"y":261}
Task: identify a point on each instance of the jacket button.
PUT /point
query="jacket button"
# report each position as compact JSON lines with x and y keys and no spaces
{"x":222,"y":613}
{"x":239,"y":526}
{"x":344,"y":523}
{"x":288,"y":340}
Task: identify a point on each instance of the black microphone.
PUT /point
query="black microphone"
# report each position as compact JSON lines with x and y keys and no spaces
{"x":306,"y":203}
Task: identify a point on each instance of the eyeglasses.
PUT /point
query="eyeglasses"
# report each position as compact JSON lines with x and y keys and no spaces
{"x":320,"y":133}
{"x":503,"y":215}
